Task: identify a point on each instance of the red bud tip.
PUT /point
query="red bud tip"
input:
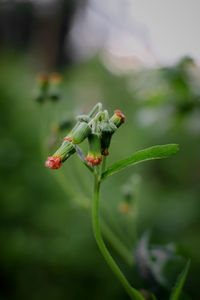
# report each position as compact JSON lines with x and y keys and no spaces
{"x":120,"y":114}
{"x":93,"y":161}
{"x":53,"y":162}
{"x":105,"y":152}
{"x":43,"y":77}
{"x":68,"y":138}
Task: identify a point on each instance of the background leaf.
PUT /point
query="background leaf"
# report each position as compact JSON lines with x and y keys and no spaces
{"x":155,"y":152}
{"x":176,"y":292}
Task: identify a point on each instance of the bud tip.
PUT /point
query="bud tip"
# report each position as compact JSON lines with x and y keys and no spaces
{"x":120,"y":114}
{"x":53,"y":162}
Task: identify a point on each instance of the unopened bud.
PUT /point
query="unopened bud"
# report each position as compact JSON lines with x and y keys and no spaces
{"x":42,"y":86}
{"x":81,"y":133}
{"x":54,"y":86}
{"x":118,"y":118}
{"x":107,"y":130}
{"x":94,"y":156}
{"x":69,"y":136}
{"x":63,"y":153}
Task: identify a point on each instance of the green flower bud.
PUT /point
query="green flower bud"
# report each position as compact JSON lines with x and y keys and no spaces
{"x":65,"y":150}
{"x":42,"y":87}
{"x":107,"y":130}
{"x":69,"y":136}
{"x":118,"y":118}
{"x":81,"y":132}
{"x":94,"y":156}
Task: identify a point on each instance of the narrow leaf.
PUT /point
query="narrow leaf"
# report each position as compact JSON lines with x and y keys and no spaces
{"x":176,"y":292}
{"x":155,"y":152}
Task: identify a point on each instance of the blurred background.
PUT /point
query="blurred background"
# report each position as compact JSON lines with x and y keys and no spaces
{"x":137,"y":56}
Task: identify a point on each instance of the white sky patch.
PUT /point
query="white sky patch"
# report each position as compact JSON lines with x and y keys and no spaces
{"x":160,"y":31}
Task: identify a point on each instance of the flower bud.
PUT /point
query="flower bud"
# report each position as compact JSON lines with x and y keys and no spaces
{"x":42,"y":87}
{"x":81,"y":132}
{"x":118,"y":118}
{"x":107,"y":130}
{"x":54,"y":86}
{"x":65,"y":124}
{"x":69,"y":136}
{"x":63,"y":153}
{"x":94,"y":156}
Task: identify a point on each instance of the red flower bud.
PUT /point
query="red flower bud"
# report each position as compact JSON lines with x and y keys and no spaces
{"x":53,"y":162}
{"x":68,"y":138}
{"x":121,"y":115}
{"x":94,"y":156}
{"x":118,"y":118}
{"x":92,"y":161}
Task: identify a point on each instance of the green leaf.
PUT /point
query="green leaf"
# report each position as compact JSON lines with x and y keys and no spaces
{"x":176,"y":292}
{"x":153,"y":297}
{"x":155,"y":152}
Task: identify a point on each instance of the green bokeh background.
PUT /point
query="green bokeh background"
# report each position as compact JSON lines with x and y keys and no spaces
{"x":47,"y":246}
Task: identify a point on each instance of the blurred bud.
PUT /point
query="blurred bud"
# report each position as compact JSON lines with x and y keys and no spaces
{"x":81,"y":133}
{"x":42,"y":87}
{"x":54,"y":86}
{"x":65,"y":124}
{"x":118,"y":118}
{"x":107,"y":130}
{"x":63,"y":153}
{"x":124,"y":207}
{"x":127,"y":192}
{"x":94,"y":156}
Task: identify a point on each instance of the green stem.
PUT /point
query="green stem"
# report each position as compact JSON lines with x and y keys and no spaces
{"x":117,"y":244}
{"x":134,"y":294}
{"x":103,"y":168}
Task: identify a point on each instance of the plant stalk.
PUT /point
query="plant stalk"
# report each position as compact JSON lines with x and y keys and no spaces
{"x":102,"y":247}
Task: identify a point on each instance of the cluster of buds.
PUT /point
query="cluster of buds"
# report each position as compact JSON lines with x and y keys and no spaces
{"x":48,"y":87}
{"x":97,"y":128}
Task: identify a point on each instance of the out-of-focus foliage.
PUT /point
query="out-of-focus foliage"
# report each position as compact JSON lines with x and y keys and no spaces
{"x":47,"y":248}
{"x":46,"y":241}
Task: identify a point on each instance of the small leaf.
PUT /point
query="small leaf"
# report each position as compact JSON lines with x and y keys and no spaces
{"x":153,"y":297}
{"x":176,"y":292}
{"x":155,"y":152}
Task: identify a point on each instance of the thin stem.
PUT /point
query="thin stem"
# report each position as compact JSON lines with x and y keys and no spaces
{"x":103,"y":167}
{"x":117,"y":244}
{"x":102,"y":247}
